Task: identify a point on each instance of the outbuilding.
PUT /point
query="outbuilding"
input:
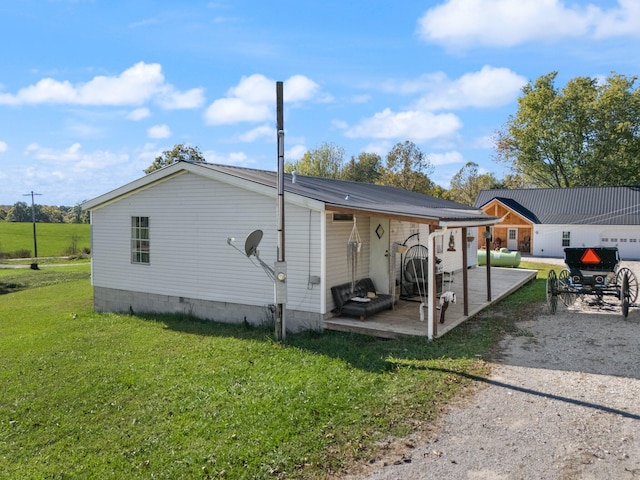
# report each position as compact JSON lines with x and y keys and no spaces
{"x":544,"y":221}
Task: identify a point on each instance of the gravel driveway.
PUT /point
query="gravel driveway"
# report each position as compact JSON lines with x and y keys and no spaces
{"x":562,"y":402}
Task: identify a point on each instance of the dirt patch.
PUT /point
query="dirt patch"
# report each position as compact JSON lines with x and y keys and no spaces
{"x":562,"y":402}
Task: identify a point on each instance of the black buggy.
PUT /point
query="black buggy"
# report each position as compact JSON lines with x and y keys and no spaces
{"x":592,"y":271}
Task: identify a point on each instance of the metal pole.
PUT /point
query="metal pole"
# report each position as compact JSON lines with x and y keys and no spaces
{"x":487,"y":236}
{"x":281,"y":277}
{"x":34,"y":265}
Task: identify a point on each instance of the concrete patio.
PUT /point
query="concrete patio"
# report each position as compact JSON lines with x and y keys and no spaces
{"x":404,"y":319}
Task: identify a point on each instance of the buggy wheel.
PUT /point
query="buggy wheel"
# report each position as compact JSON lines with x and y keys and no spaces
{"x":564,"y":287}
{"x":552,"y":291}
{"x":632,"y":282}
{"x":625,"y":295}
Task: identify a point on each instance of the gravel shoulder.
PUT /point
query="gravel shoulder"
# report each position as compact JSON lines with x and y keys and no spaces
{"x":562,"y":402}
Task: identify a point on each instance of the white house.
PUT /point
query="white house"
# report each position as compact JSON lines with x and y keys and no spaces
{"x":174,"y":241}
{"x":543,"y":221}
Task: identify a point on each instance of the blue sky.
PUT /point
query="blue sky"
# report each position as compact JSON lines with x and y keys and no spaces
{"x":91,"y":91}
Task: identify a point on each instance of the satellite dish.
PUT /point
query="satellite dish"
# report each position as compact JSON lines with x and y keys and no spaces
{"x":252,"y":242}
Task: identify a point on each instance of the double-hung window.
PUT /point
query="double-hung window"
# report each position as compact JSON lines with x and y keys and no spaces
{"x":140,"y":240}
{"x":566,"y":239}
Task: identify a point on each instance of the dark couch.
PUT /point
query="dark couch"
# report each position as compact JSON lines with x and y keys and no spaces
{"x":342,"y":297}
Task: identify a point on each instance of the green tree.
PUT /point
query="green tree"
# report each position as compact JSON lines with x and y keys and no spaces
{"x":587,"y":133}
{"x":180,"y":152}
{"x":325,"y":161}
{"x":407,"y":167}
{"x":19,"y":212}
{"x":365,"y":168}
{"x":78,"y":215}
{"x":466,"y":184}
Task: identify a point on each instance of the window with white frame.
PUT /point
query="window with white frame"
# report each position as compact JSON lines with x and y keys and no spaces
{"x":566,"y":239}
{"x":140,"y":240}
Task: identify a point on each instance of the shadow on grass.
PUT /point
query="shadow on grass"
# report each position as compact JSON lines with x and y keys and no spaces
{"x":10,"y":288}
{"x":372,"y":354}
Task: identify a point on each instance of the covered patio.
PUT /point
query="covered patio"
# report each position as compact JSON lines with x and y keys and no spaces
{"x":404,"y":319}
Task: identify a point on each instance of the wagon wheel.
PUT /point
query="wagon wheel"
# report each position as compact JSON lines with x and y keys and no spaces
{"x":552,"y":291}
{"x":632,"y":281}
{"x":564,"y":286}
{"x":625,"y":295}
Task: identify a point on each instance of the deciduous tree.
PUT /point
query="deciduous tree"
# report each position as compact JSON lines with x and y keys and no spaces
{"x":324,"y":161}
{"x":407,"y":167}
{"x":365,"y":168}
{"x":180,"y":152}
{"x":466,"y":184}
{"x":587,"y":133}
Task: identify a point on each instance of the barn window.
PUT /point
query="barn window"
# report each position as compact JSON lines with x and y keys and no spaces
{"x":140,"y":240}
{"x":566,"y":239}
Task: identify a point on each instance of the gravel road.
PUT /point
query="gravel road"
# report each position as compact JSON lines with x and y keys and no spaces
{"x":562,"y":402}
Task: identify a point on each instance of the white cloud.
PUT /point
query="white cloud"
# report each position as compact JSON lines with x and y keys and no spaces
{"x":234,"y":110}
{"x":174,"y":100}
{"x":621,"y":21}
{"x":159,"y":131}
{"x":139,"y":114}
{"x":254,"y":99}
{"x":232,"y":158}
{"x":447,"y":158}
{"x":411,"y":125}
{"x":135,"y":86}
{"x":489,"y":87}
{"x":466,"y":23}
{"x":3,"y":147}
{"x":295,"y":153}
{"x":74,"y":159}
{"x":263,"y":131}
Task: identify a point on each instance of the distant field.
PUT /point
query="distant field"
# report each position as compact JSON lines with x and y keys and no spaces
{"x":53,"y":239}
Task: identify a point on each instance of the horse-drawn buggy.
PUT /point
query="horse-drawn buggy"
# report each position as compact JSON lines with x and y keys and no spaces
{"x":592,"y":271}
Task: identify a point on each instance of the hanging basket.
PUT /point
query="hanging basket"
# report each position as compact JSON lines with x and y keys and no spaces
{"x":354,"y":247}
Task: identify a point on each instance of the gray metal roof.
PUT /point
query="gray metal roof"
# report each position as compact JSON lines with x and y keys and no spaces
{"x":579,"y":205}
{"x":361,"y":196}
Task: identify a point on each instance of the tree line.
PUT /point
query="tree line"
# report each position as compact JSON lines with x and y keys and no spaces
{"x":21,"y":212}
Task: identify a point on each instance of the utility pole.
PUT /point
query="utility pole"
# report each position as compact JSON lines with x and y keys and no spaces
{"x":280,"y":282}
{"x":34,"y":265}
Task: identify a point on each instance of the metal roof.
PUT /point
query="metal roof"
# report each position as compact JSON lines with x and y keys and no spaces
{"x":566,"y":206}
{"x":339,"y":194}
{"x":362,"y":196}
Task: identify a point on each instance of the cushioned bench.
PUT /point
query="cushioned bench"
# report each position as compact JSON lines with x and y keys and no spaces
{"x":359,"y":302}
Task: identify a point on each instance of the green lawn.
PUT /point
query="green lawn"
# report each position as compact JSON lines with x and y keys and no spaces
{"x":53,"y":239}
{"x":88,"y":395}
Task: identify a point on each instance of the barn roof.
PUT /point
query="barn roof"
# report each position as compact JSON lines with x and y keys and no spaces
{"x":339,"y":194}
{"x":566,"y":206}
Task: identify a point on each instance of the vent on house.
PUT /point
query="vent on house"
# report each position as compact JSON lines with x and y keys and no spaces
{"x":342,"y":217}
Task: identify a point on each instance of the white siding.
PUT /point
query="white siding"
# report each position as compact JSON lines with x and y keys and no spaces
{"x":547,"y":239}
{"x":190,"y":220}
{"x":337,"y":268}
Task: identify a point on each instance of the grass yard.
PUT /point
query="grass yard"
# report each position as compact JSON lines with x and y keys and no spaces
{"x":53,"y":239}
{"x":88,"y":395}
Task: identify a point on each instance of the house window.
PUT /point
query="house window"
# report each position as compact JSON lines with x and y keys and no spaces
{"x":566,"y":239}
{"x":140,"y":240}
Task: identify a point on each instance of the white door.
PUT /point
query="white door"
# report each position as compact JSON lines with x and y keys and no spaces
{"x":379,"y":253}
{"x":512,"y":239}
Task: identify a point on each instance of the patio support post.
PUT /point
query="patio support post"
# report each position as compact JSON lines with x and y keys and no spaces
{"x":487,"y":237}
{"x":465,"y":261}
